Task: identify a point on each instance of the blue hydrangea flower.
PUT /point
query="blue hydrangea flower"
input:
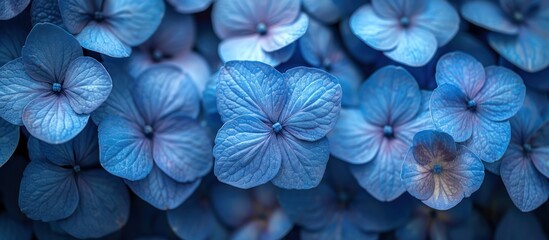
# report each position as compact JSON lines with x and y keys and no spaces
{"x":439,"y":172}
{"x":408,"y":32}
{"x":377,"y":137}
{"x":473,"y":103}
{"x":525,"y":165}
{"x":190,"y":6}
{"x":52,"y":88}
{"x":340,"y":209}
{"x":253,"y":214}
{"x":11,"y":8}
{"x":519,"y":30}
{"x":149,"y":135}
{"x":172,"y":44}
{"x":320,"y":49}
{"x":258,"y":30}
{"x":66,"y":184}
{"x":516,"y":225}
{"x":275,"y":125}
{"x":111,"y":27}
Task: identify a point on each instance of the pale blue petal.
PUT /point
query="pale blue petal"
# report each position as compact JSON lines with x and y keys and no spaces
{"x":12,"y":8}
{"x":461,"y":70}
{"x":100,"y":38}
{"x":251,"y":230}
{"x":489,"y":139}
{"x":489,"y":15}
{"x":313,"y":105}
{"x":51,"y":119}
{"x":516,"y":225}
{"x":57,"y":154}
{"x":124,"y":150}
{"x":450,"y":114}
{"x":361,"y":52}
{"x":502,"y":94}
{"x":182,"y":148}
{"x":250,"y":88}
{"x":279,"y":225}
{"x":75,"y":14}
{"x":281,"y":36}
{"x":233,"y":206}
{"x":526,"y":50}
{"x":48,"y":192}
{"x":190,"y":6}
{"x":46,"y":11}
{"x":192,"y":220}
{"x":416,"y":47}
{"x":527,"y":187}
{"x":393,"y":9}
{"x":249,"y":48}
{"x":11,"y":228}
{"x":441,"y":19}
{"x":48,"y":52}
{"x":9,"y":138}
{"x":303,"y":162}
{"x":246,"y":153}
{"x":314,"y":209}
{"x":104,"y":206}
{"x":378,"y":32}
{"x":323,"y":10}
{"x":353,"y":139}
{"x":161,"y":191}
{"x":87,"y":85}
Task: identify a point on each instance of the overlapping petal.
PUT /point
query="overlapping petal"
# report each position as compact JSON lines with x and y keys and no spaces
{"x":461,"y":70}
{"x":11,"y":8}
{"x":249,"y":48}
{"x":441,"y":19}
{"x":280,"y":36}
{"x":190,"y":6}
{"x":524,"y":50}
{"x":100,"y":38}
{"x":489,"y":139}
{"x":489,"y":15}
{"x":415,"y":48}
{"x":9,"y":138}
{"x":502,"y":94}
{"x":450,"y":114}
{"x":376,"y":31}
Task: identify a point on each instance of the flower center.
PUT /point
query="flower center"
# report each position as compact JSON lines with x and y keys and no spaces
{"x":327,"y":65}
{"x":471,"y":105}
{"x":527,"y":148}
{"x":148,"y":130}
{"x":405,"y":21}
{"x":76,"y":168}
{"x":437,"y":168}
{"x":277,"y":127}
{"x":157,"y":55}
{"x":388,"y":131}
{"x":261,"y":29}
{"x":56,"y":87}
{"x":518,"y":16}
{"x":98,"y":16}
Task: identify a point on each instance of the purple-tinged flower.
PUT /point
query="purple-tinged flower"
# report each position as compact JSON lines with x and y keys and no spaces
{"x":408,"y":32}
{"x":439,"y":172}
{"x":258,"y":30}
{"x":111,"y":27}
{"x":473,"y":103}
{"x":11,"y":8}
{"x":518,"y":29}
{"x":149,"y":135}
{"x":275,"y":125}
{"x":377,"y":137}
{"x":320,"y":49}
{"x":52,"y":88}
{"x":190,"y":6}
{"x":65,"y":183}
{"x":525,"y":165}
{"x":172,"y":44}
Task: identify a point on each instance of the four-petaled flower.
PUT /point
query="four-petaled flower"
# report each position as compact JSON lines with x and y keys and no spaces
{"x":377,"y":137}
{"x":439,"y":172}
{"x":52,"y":88}
{"x":473,"y":103}
{"x":275,"y":124}
{"x":406,"y":31}
{"x":258,"y":30}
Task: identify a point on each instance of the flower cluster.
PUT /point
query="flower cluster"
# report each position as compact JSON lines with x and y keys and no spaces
{"x":274,"y":119}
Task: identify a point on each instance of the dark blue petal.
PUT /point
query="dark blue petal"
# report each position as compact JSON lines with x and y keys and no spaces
{"x":48,"y":52}
{"x":17,"y":89}
{"x":375,"y":216}
{"x":46,"y":11}
{"x":362,"y":52}
{"x":57,"y":154}
{"x":10,"y":228}
{"x":313,"y":209}
{"x":450,"y":114}
{"x":233,"y":206}
{"x":86,"y":147}
{"x":193,"y":219}
{"x":489,"y":139}
{"x":502,"y":94}
{"x":417,"y":178}
{"x":246,"y":153}
{"x":11,"y":8}
{"x":525,"y":50}
{"x":104,"y":206}
{"x":461,"y":70}
{"x":313,"y":104}
{"x":303,"y":162}
{"x":516,"y":225}
{"x":342,"y":229}
{"x":190,"y":6}
{"x":12,"y":39}
{"x":9,"y":138}
{"x":124,"y":149}
{"x":161,"y":191}
{"x":51,"y":119}
{"x":48,"y":192}
{"x":251,"y":88}
{"x":488,"y":15}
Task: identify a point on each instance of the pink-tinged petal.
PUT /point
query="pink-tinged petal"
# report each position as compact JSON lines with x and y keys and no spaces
{"x":418,"y":178}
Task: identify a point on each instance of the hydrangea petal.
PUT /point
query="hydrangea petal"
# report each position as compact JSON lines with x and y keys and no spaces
{"x":249,"y":48}
{"x":441,"y":19}
{"x":381,"y":176}
{"x":74,"y":14}
{"x":17,"y":89}
{"x":280,"y":36}
{"x":524,"y":50}
{"x":162,"y":191}
{"x":516,"y":225}
{"x":87,"y":85}
{"x":12,"y":8}
{"x":104,"y":206}
{"x":44,"y":46}
{"x":192,"y":220}
{"x":313,"y":104}
{"x":378,"y":32}
{"x":417,"y":178}
{"x":51,"y":119}
{"x":488,"y":15}
{"x":502,"y":94}
{"x":46,"y":11}
{"x":234,"y":18}
{"x":461,"y":70}
{"x":303,"y":162}
{"x":133,"y":22}
{"x":99,"y":38}
{"x":123,"y":149}
{"x":540,"y":158}
{"x":182,"y":148}
{"x":9,"y":138}
{"x":279,"y":225}
{"x":197,"y":68}
{"x":416,"y":47}
{"x":450,"y":114}
{"x":246,"y":153}
{"x":414,"y":229}
{"x":57,"y":154}
{"x":250,"y":88}
{"x":432,"y":146}
{"x":490,"y":139}
{"x":12,"y":40}
{"x":11,"y":228}
{"x":353,"y":139}
{"x":190,"y":6}
{"x":323,"y":10}
{"x":313,"y":208}
{"x":48,"y":192}
{"x":341,"y":229}
{"x":232,"y":205}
